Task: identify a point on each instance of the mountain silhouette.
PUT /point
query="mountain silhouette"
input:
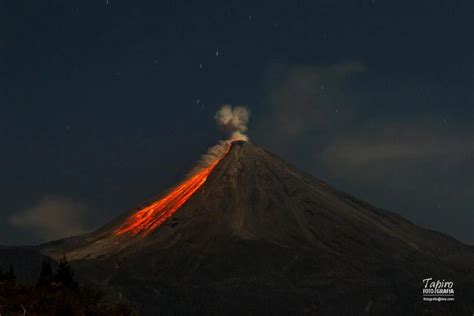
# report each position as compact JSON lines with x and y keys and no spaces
{"x":260,"y":236}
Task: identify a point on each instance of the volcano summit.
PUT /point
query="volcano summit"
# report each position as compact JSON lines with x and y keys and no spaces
{"x":256,"y":235}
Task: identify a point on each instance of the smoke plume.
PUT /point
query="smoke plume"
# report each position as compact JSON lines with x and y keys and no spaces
{"x":231,"y":120}
{"x":234,"y":121}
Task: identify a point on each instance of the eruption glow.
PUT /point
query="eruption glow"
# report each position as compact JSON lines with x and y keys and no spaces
{"x":151,"y":217}
{"x":233,"y":120}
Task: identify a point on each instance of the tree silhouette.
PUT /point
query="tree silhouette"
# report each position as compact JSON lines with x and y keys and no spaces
{"x":65,"y":297}
{"x":10,"y":276}
{"x":46,"y":273}
{"x":64,"y":274}
{"x":46,"y":270}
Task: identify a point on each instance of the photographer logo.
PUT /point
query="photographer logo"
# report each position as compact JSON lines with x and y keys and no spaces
{"x":438,"y":290}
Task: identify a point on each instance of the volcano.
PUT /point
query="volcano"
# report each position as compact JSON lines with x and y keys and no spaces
{"x":252,"y":234}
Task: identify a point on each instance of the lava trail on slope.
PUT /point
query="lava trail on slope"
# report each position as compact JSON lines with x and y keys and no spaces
{"x":149,"y":218}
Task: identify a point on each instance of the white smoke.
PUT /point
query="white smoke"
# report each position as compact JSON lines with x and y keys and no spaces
{"x":234,"y":121}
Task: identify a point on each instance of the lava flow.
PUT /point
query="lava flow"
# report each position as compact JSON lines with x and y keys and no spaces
{"x":150,"y":217}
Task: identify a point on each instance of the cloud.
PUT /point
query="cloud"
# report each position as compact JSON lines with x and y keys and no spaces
{"x":422,"y":161}
{"x":397,"y":142}
{"x":51,"y":217}
{"x":423,"y":171}
{"x":233,"y":120}
{"x":315,"y":118}
{"x":305,"y":99}
{"x":393,"y":155}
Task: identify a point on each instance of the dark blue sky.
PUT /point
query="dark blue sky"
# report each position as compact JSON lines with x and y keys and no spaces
{"x":99,"y":102}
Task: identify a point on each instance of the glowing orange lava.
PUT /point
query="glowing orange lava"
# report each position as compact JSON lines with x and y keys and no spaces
{"x":149,"y":218}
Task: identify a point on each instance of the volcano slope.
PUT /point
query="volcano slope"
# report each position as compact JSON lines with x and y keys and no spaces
{"x":260,"y":236}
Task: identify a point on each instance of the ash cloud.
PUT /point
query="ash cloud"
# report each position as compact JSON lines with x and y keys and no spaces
{"x":234,"y":121}
{"x":52,"y":217}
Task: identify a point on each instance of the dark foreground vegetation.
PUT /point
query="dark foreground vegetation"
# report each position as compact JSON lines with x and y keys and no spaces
{"x":54,"y":293}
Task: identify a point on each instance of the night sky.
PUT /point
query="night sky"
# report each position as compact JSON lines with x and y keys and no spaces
{"x":106,"y":103}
